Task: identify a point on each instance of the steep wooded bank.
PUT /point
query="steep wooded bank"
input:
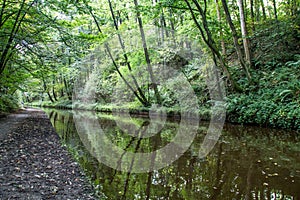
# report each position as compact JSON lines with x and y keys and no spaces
{"x":48,"y":48}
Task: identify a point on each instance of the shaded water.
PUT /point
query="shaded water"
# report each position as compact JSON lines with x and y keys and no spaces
{"x":246,"y":163}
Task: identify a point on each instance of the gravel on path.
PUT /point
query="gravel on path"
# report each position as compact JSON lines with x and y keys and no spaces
{"x":33,"y":163}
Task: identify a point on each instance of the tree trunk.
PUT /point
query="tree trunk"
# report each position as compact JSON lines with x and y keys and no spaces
{"x":1,"y":13}
{"x":245,"y":9}
{"x":221,"y":29}
{"x":263,"y":9}
{"x":172,"y":25}
{"x":14,"y":30}
{"x":6,"y":54}
{"x":46,"y":90}
{"x":209,"y":41}
{"x":145,"y":103}
{"x":123,"y":78}
{"x":252,"y":15}
{"x":49,"y":95}
{"x":235,"y":39}
{"x":246,"y":42}
{"x":275,"y":9}
{"x":157,"y":29}
{"x":62,"y":90}
{"x":149,"y":67}
{"x":141,"y":93}
{"x":164,"y":23}
{"x":67,"y":89}
{"x":257,"y":11}
{"x":53,"y":89}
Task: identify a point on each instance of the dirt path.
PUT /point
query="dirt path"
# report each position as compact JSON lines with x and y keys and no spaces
{"x":33,"y":164}
{"x":11,"y":122}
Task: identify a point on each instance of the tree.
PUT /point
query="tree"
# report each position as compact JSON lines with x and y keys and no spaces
{"x":244,"y":32}
{"x":263,"y":9}
{"x":149,"y":67}
{"x":235,"y":40}
{"x":141,"y":99}
{"x":275,"y":9}
{"x":209,"y":41}
{"x":221,"y":29}
{"x":11,"y":19}
{"x":252,"y":14}
{"x":141,"y":93}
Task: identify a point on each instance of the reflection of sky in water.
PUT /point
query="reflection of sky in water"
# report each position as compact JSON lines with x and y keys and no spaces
{"x":246,"y":163}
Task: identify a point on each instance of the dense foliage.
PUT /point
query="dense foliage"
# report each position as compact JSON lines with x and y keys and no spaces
{"x":274,"y":100}
{"x":50,"y":47}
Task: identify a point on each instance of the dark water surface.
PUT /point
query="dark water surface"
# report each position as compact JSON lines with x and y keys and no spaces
{"x":246,"y":163}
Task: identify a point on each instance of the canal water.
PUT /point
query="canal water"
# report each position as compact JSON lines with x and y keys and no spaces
{"x":247,"y":162}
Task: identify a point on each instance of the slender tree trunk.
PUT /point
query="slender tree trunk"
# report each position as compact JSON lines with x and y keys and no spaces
{"x":257,"y":11}
{"x":123,"y":78}
{"x":246,"y":42}
{"x":62,"y":90}
{"x":141,"y":93}
{"x":46,"y":90}
{"x":275,"y":9}
{"x":221,"y":29}
{"x":210,"y":42}
{"x":269,"y":10}
{"x":172,"y":25}
{"x":6,"y":54}
{"x":162,"y":31}
{"x":245,"y":10}
{"x":67,"y":85}
{"x":14,"y":30}
{"x":53,"y":89}
{"x":252,"y":15}
{"x":147,"y":57}
{"x":164,"y":23}
{"x":49,"y":95}
{"x":67,"y":89}
{"x":2,"y":11}
{"x":157,"y":29}
{"x":120,"y":21}
{"x":62,"y":93}
{"x":263,"y":9}
{"x":235,"y":40}
{"x":145,"y":103}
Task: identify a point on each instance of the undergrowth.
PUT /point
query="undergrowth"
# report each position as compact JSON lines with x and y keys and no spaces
{"x":274,"y":100}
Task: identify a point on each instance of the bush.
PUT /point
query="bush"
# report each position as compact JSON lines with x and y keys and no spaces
{"x":8,"y":102}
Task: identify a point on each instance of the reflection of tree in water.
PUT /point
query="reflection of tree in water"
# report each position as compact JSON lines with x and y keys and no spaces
{"x":239,"y":167}
{"x":138,"y":138}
